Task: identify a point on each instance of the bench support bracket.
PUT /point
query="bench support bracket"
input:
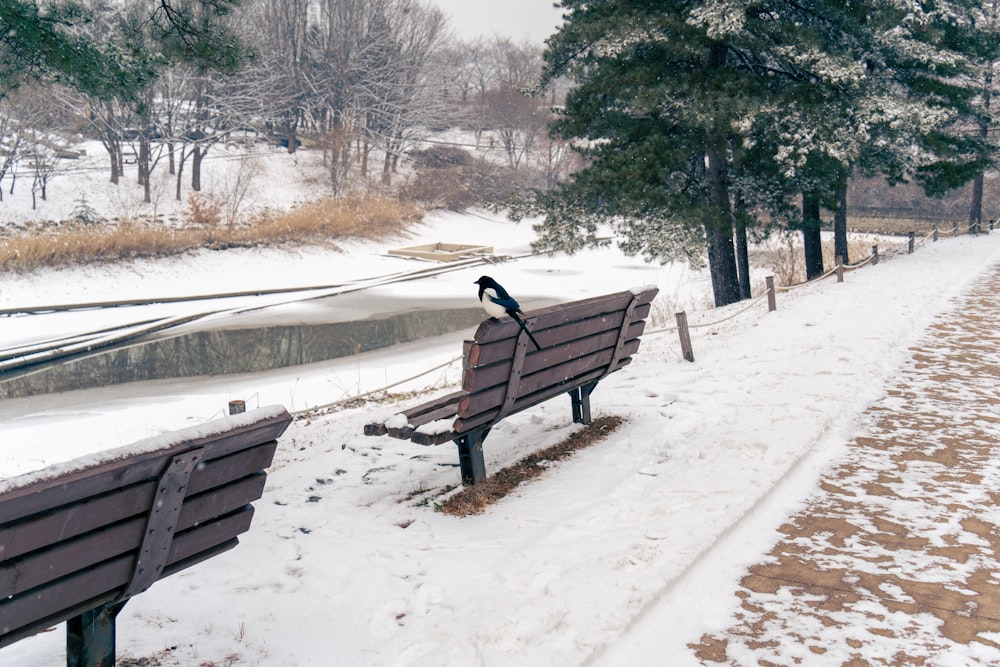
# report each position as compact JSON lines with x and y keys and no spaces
{"x":470,"y":456}
{"x":90,"y":637}
{"x":580,"y":396}
{"x":162,"y":521}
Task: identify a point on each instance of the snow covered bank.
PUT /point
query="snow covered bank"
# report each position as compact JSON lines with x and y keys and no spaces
{"x":672,"y":506}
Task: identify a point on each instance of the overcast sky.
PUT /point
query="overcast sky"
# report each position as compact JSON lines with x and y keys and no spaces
{"x":519,"y":19}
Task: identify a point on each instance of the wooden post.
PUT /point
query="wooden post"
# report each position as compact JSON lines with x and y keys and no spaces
{"x":237,"y":407}
{"x":771,"y":303}
{"x":991,"y":223}
{"x":909,"y":247}
{"x":874,"y":255}
{"x":685,"y":335}
{"x":954,"y":228}
{"x":840,"y":268}
{"x":935,"y":232}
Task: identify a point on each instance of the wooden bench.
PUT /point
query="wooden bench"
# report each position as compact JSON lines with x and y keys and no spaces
{"x":582,"y":342}
{"x":78,"y":539}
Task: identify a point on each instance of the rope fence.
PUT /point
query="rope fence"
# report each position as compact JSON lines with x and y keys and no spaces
{"x":682,"y":327}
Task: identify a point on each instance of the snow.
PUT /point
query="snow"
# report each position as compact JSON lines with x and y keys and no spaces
{"x":154,"y":444}
{"x":347,"y":561}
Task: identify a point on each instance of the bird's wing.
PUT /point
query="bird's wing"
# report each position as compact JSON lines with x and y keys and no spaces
{"x":505,"y":301}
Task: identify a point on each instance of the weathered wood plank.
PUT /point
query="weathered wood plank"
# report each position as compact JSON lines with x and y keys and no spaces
{"x":64,"y":523}
{"x":483,"y":377}
{"x":66,"y":557}
{"x":39,"y":496}
{"x":49,"y":602}
{"x":417,"y":415}
{"x":430,"y":406}
{"x":554,"y":316}
{"x":63,"y":559}
{"x":495,"y":350}
{"x":107,"y":579}
{"x":525,"y":401}
{"x":68,"y":522}
{"x":10,"y":637}
{"x":428,"y":439}
{"x":225,"y":470}
{"x":561,"y":376}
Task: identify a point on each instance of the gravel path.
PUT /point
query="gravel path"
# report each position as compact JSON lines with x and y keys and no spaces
{"x":896,"y":558}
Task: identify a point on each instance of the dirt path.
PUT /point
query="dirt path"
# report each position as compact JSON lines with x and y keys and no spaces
{"x":896,"y":558}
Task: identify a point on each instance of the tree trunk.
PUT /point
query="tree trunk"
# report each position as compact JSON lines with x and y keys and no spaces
{"x":976,"y":206}
{"x":144,"y":169}
{"x":840,"y":248}
{"x":387,"y":170}
{"x":812,"y":240}
{"x":180,"y":175}
{"x":196,"y":156}
{"x":114,"y":148}
{"x":719,"y":233}
{"x":742,"y":249}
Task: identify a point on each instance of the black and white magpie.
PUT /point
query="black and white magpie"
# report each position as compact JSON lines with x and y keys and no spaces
{"x":497,"y":303}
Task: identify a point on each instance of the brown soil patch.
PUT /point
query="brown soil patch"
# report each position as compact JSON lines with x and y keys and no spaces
{"x":475,"y":499}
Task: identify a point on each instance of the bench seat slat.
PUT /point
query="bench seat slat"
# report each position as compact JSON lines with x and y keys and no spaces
{"x":65,"y":523}
{"x":553,"y":316}
{"x":484,"y":377}
{"x":51,"y":601}
{"x":64,"y":489}
{"x":222,"y":471}
{"x":555,"y":376}
{"x":497,"y":349}
{"x":68,"y":522}
{"x":419,"y":415}
{"x":107,"y":579}
{"x":416,"y":415}
{"x":72,"y":555}
{"x":428,"y":439}
{"x":465,"y":424}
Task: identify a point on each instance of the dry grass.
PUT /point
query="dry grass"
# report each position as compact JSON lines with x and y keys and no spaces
{"x":324,"y":221}
{"x":787,"y":262}
{"x":475,"y":499}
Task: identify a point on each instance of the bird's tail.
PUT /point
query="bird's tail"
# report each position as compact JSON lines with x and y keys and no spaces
{"x":524,"y":327}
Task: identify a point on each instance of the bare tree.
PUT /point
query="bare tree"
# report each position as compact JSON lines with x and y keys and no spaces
{"x":396,"y":94}
{"x":12,"y":137}
{"x":516,"y":118}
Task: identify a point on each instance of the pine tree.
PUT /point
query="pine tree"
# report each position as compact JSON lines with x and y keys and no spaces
{"x":59,"y":41}
{"x":684,"y":108}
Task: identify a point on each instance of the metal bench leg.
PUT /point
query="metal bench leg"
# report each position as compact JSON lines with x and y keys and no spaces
{"x":581,"y":402}
{"x":470,"y":456}
{"x":90,"y":637}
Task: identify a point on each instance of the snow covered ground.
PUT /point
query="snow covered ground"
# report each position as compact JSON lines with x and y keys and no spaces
{"x":621,"y":555}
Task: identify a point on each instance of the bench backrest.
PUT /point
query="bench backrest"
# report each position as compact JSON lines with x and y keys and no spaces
{"x":101,"y":529}
{"x":582,"y":341}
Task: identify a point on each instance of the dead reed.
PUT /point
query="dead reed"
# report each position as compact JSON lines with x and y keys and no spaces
{"x":323,"y":221}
